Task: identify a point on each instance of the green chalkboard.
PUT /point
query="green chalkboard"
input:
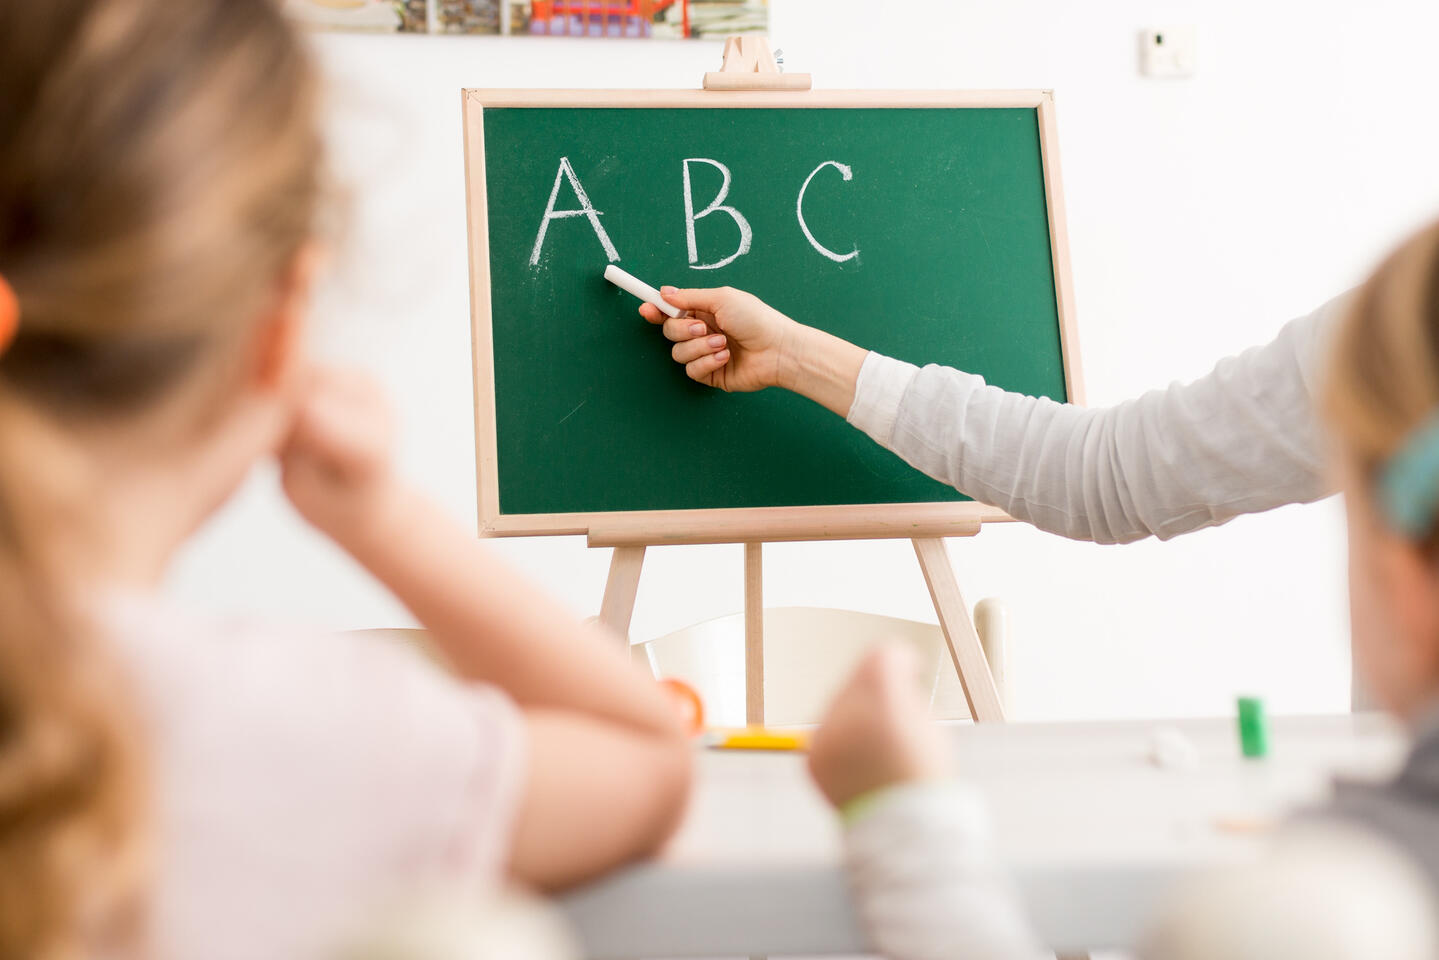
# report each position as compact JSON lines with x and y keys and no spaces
{"x":946,"y":206}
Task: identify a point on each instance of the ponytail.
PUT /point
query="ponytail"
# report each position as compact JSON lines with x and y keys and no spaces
{"x":1383,"y":379}
{"x":160,"y":164}
{"x":71,"y":787}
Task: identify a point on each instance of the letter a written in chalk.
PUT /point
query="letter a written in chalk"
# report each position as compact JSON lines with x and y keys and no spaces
{"x":587,"y":209}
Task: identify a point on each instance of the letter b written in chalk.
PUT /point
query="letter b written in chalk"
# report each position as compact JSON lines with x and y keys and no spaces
{"x":717,"y":205}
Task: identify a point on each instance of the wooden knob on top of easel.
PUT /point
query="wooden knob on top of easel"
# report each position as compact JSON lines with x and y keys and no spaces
{"x":749,"y":65}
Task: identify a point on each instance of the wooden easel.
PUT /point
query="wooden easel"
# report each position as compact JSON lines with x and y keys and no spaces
{"x":750,"y":77}
{"x":749,"y":65}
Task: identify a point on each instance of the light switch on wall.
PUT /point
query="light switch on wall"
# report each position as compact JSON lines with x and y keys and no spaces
{"x":1168,"y":51}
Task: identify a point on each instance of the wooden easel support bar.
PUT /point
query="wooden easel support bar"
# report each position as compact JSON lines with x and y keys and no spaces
{"x":754,"y":81}
{"x":763,"y":526}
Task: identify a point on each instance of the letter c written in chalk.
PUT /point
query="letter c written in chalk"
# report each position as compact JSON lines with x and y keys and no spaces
{"x":846,"y":174}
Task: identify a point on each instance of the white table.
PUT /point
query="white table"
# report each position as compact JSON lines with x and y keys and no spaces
{"x":1094,"y":832}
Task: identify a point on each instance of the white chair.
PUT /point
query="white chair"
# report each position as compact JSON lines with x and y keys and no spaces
{"x":809,"y":651}
{"x":463,"y":923}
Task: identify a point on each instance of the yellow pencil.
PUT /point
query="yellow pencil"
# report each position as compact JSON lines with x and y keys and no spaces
{"x":758,"y":738}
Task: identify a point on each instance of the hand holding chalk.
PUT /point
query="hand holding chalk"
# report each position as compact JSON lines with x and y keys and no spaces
{"x":729,"y":339}
{"x":632,"y":284}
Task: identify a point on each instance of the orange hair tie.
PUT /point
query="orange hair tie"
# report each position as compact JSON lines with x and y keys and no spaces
{"x":9,"y":314}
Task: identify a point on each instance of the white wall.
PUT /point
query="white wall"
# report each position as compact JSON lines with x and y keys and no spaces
{"x":1203,"y":214}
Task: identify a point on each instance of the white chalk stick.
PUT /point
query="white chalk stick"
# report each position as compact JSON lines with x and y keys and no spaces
{"x":632,"y":284}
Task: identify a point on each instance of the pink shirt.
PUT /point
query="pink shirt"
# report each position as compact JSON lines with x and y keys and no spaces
{"x":303,"y":781}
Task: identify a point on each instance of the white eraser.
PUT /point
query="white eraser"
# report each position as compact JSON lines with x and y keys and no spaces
{"x":1170,"y":749}
{"x":632,"y":284}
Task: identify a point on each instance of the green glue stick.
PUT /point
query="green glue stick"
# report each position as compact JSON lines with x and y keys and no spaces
{"x":1253,"y":728}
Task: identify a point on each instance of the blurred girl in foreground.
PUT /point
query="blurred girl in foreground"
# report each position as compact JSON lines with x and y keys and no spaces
{"x":178,"y":788}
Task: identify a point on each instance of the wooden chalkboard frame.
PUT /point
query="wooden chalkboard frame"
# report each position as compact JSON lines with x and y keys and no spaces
{"x":736,"y":525}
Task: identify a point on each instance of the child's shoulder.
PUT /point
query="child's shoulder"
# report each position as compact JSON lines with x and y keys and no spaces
{"x":176,"y":654}
{"x":309,"y":682}
{"x":270,"y":695}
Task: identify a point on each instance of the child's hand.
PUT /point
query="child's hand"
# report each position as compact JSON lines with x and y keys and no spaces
{"x":877,"y":732}
{"x":733,"y":341}
{"x":336,"y":462}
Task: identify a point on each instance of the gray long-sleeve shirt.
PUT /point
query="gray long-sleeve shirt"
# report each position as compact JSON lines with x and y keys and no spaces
{"x":1242,"y":439}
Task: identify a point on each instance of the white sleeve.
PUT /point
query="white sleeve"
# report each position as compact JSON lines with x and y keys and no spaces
{"x":1242,"y":439}
{"x":927,"y":882}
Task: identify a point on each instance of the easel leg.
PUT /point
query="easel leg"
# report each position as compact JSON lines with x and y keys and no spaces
{"x":753,"y":634}
{"x":620,"y":589}
{"x":959,"y":632}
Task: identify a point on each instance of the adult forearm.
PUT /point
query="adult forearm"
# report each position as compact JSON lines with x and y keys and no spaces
{"x":820,"y":366}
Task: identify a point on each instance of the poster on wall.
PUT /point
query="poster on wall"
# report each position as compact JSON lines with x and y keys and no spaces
{"x":660,"y":19}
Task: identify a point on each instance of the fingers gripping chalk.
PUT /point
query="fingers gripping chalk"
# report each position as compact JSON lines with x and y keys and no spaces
{"x":639,"y":288}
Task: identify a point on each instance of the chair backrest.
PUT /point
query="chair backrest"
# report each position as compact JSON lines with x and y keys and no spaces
{"x":463,"y":923}
{"x":809,"y":651}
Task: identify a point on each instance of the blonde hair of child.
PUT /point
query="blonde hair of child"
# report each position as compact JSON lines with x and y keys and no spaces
{"x":159,"y":169}
{"x":1384,"y":373}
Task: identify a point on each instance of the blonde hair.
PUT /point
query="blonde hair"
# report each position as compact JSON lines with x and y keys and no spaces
{"x":1384,"y":370}
{"x":159,"y":171}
